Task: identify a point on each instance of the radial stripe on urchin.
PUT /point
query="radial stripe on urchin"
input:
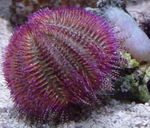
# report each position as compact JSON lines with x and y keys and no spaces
{"x":60,"y":57}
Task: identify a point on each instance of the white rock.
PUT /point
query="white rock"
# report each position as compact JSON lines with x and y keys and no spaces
{"x":135,"y":41}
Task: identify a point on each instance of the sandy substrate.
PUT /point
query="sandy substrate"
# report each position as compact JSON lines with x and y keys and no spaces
{"x":113,"y":115}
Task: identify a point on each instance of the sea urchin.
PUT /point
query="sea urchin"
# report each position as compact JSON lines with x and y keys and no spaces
{"x":58,"y":58}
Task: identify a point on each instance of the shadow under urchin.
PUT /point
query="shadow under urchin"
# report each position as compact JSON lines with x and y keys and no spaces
{"x":59,"y":62}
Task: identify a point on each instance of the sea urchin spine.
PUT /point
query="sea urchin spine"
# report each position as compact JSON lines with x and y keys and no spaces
{"x":60,"y":57}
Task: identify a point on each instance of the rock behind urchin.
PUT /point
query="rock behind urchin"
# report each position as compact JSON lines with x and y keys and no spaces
{"x":58,"y":59}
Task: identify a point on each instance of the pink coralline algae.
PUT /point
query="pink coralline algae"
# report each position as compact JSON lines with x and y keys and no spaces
{"x":60,"y":58}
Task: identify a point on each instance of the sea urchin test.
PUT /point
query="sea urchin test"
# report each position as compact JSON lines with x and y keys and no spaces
{"x":60,"y":57}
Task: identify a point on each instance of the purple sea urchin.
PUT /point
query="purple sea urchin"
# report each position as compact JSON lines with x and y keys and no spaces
{"x":60,"y":57}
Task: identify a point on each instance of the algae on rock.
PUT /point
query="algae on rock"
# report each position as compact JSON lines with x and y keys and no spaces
{"x":134,"y":85}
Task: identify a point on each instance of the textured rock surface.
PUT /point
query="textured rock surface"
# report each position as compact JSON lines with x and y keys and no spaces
{"x":20,"y":9}
{"x":141,"y":15}
{"x":4,"y":8}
